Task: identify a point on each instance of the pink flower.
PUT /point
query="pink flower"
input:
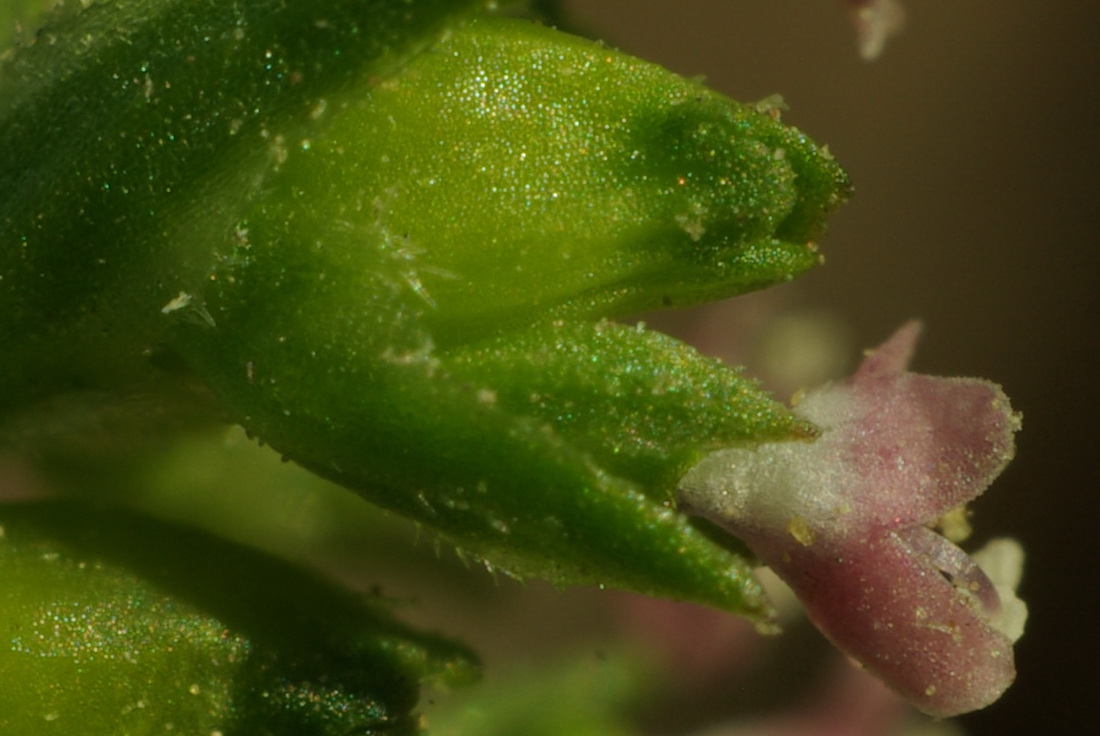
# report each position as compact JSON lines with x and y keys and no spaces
{"x":846,"y":521}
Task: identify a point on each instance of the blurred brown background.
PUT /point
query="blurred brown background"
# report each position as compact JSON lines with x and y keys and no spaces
{"x":974,"y":145}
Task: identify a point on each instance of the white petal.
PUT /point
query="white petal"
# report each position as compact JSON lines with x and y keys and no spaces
{"x":1003,"y":561}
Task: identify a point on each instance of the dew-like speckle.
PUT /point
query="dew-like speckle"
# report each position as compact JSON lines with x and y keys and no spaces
{"x":278,"y":150}
{"x":693,"y":226}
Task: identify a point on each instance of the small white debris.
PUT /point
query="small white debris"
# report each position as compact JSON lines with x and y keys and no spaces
{"x":773,"y":105}
{"x":876,"y":21}
{"x":181,"y":301}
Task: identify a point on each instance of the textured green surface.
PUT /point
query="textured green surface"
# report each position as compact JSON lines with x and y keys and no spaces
{"x":395,"y":268}
{"x":113,"y":624}
{"x":131,"y":118}
{"x":513,"y":173}
{"x":412,"y":277}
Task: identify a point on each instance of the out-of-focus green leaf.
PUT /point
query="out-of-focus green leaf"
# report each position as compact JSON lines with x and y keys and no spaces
{"x":583,"y":697}
{"x":113,"y":623}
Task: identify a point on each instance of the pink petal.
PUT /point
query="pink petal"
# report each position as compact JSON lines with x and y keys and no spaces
{"x":842,"y":520}
{"x":916,"y":446}
{"x":889,"y":608}
{"x":892,"y":357}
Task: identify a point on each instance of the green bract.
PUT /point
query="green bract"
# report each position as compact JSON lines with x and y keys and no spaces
{"x":397,"y":268}
{"x":101,"y":638}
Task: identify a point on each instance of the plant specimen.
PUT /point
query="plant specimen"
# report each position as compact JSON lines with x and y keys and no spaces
{"x":389,"y":240}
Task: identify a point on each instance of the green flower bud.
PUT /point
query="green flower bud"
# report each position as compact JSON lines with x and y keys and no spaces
{"x":112,"y":623}
{"x":411,"y":305}
{"x":401,"y":280}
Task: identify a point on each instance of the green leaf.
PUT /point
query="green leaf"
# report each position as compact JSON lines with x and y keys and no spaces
{"x":115,"y":623}
{"x":643,"y":405}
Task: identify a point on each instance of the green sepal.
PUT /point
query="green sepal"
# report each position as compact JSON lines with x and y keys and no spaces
{"x":643,"y":405}
{"x":512,"y":172}
{"x":112,"y":622}
{"x":436,"y":447}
